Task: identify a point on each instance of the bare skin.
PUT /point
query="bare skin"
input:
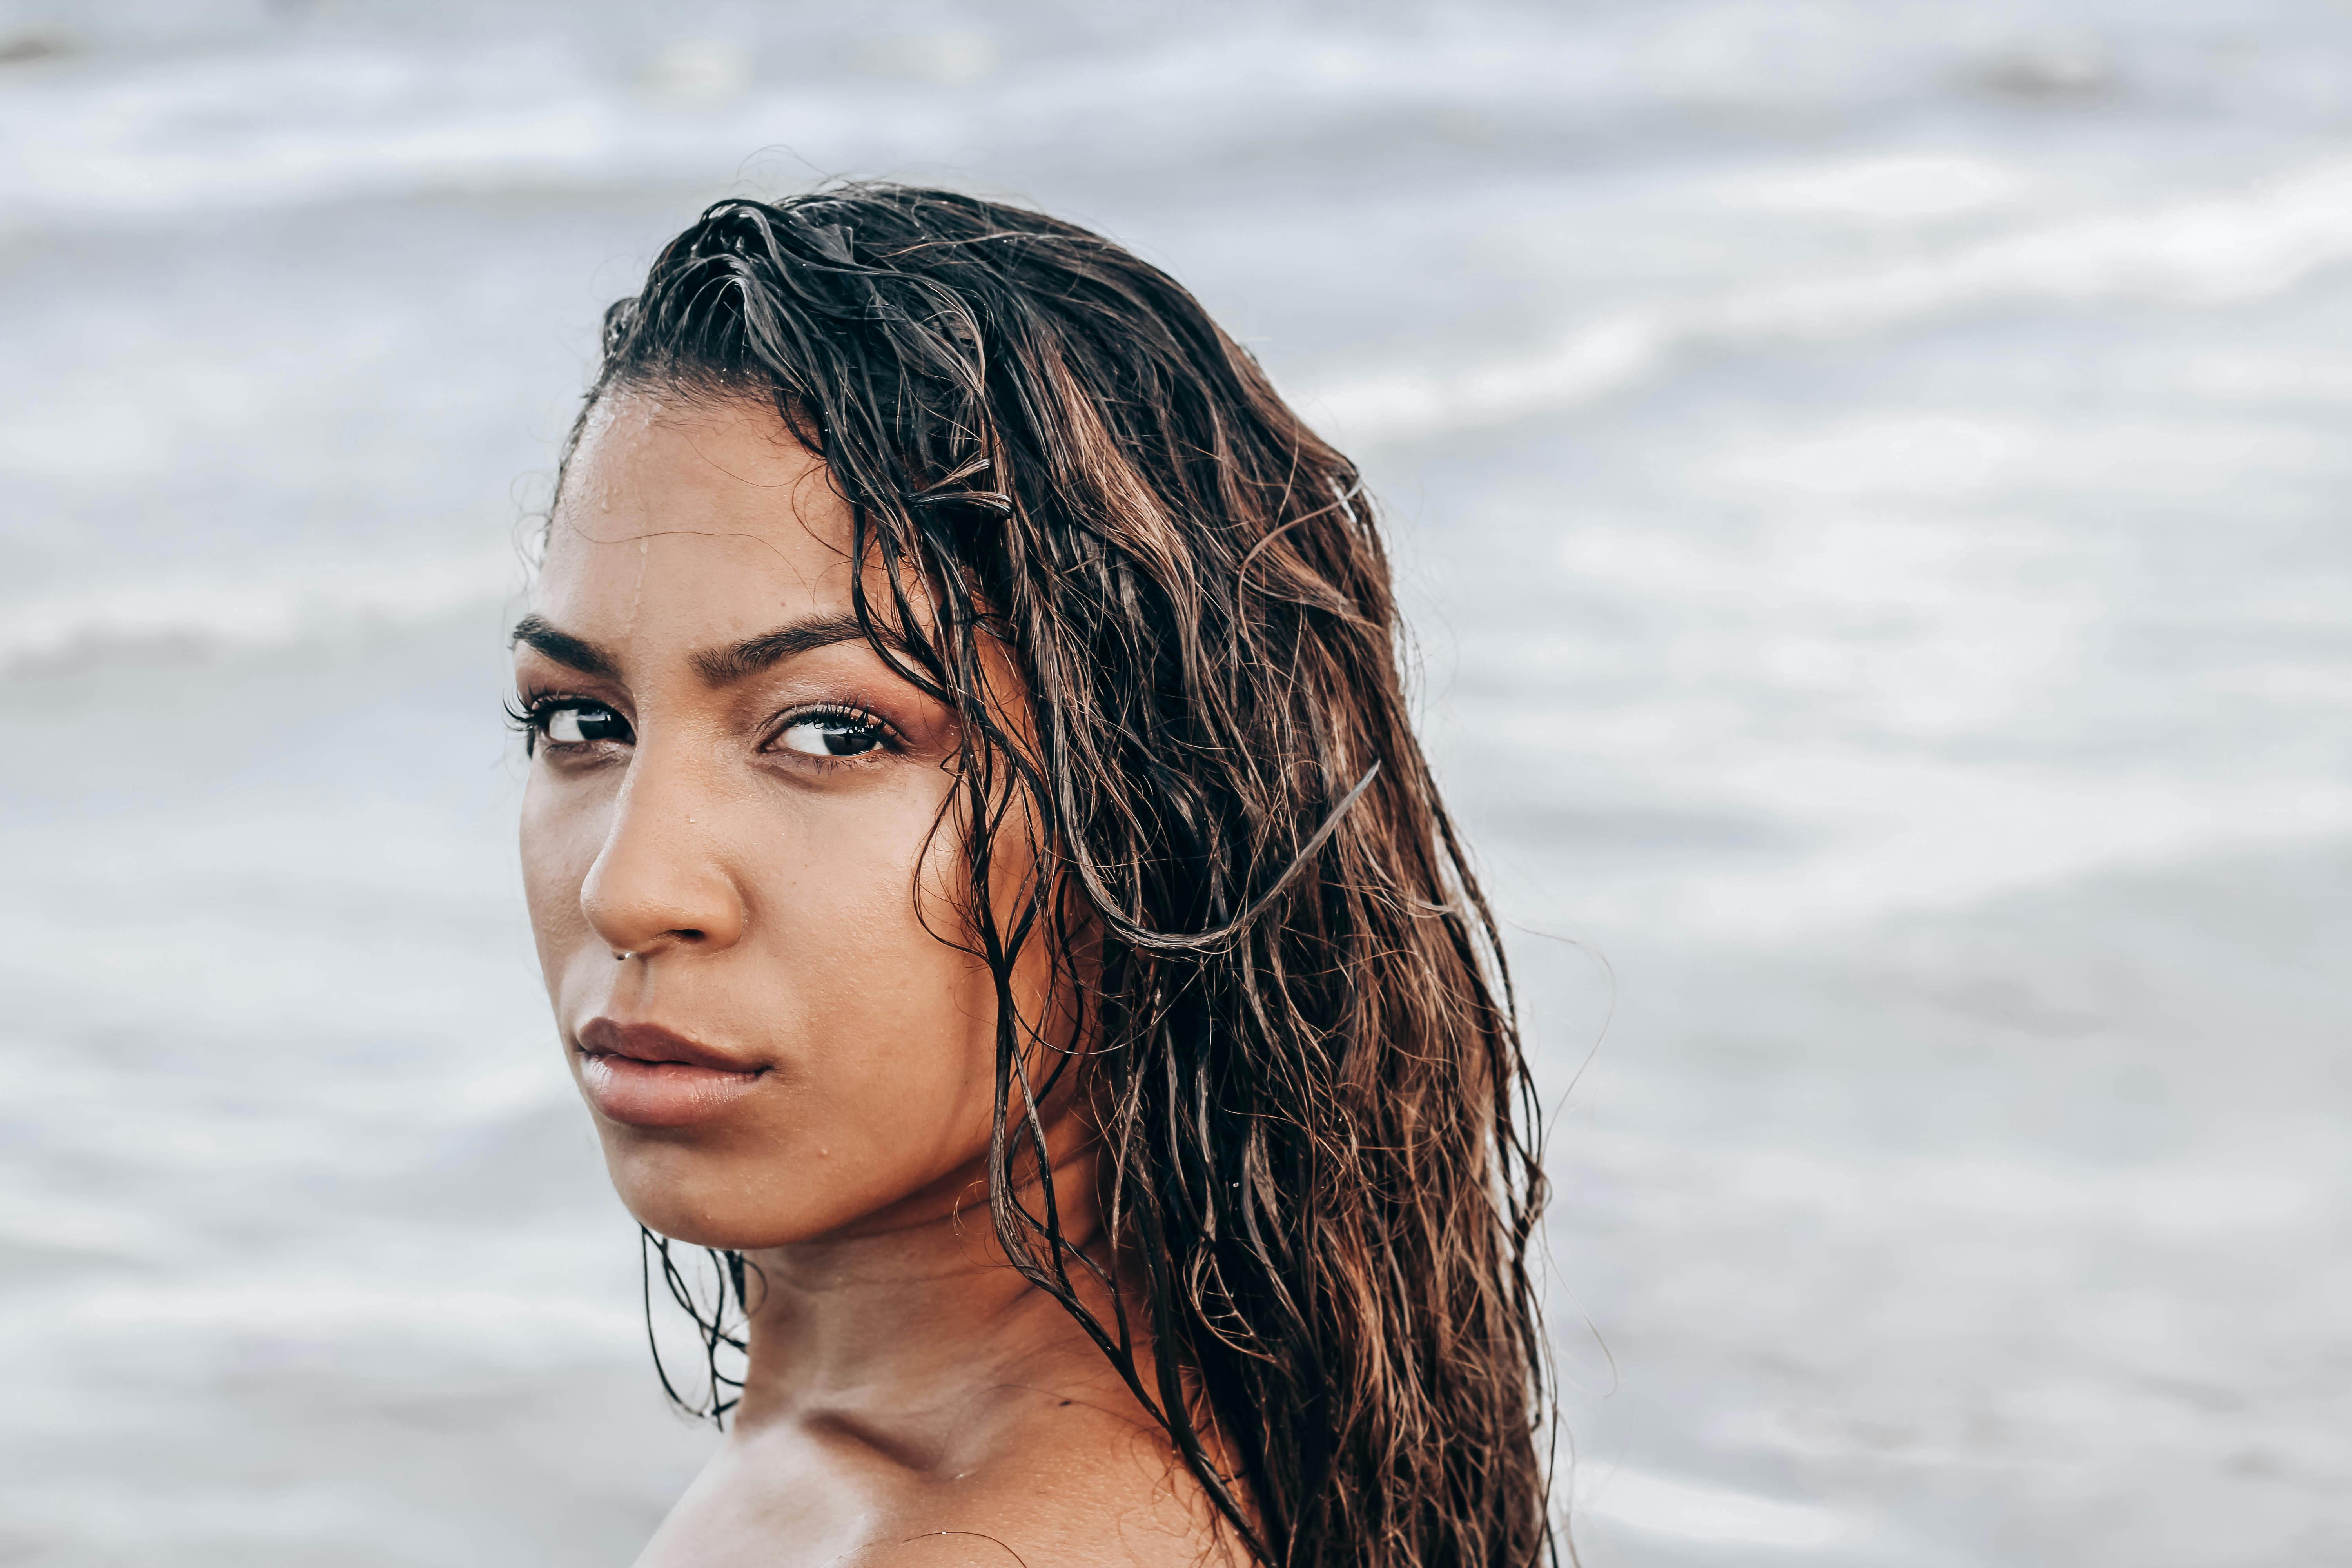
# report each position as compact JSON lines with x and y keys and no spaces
{"x":722,"y":838}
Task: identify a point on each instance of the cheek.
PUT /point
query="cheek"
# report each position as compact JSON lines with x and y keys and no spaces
{"x":899,"y":1022}
{"x":559,"y":836}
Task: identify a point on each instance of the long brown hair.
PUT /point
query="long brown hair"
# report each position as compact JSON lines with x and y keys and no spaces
{"x":1318,"y":1129}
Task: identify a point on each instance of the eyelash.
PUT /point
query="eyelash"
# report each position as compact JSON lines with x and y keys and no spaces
{"x":531,"y":720}
{"x":886,"y":738}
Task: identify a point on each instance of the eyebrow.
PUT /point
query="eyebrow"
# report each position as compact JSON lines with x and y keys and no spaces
{"x":564,"y":649}
{"x":725,"y":666}
{"x":717,"y":666}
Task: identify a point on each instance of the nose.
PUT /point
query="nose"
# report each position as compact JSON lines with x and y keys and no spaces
{"x":660,"y":883}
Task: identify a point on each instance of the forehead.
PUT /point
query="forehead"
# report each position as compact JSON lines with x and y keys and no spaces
{"x":691,"y":519}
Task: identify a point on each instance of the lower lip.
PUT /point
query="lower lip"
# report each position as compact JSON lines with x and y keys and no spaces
{"x":660,"y":1094}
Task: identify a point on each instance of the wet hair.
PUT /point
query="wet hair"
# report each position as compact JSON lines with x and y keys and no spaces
{"x":1318,"y":1137}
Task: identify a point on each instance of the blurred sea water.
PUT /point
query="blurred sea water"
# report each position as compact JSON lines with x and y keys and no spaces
{"x":1868,"y":477}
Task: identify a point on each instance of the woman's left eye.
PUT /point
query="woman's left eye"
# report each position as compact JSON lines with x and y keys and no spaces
{"x":831,"y":735}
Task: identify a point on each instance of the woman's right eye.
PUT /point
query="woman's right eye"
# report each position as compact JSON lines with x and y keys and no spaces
{"x":580,"y":724}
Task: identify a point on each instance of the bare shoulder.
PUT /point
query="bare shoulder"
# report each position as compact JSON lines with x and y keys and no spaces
{"x":1044,"y":1474}
{"x":1046,"y":1548}
{"x":1076,"y":1485}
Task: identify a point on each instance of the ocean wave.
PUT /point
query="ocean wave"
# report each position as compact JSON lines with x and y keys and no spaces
{"x":326,"y":116}
{"x":223,"y":614}
{"x":1711,"y":1514}
{"x":295,"y":125}
{"x":2215,"y":249}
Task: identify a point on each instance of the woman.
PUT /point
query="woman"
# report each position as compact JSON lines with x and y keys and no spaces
{"x":991,"y":896}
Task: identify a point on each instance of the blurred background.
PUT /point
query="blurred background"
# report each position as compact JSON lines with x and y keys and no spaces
{"x":1869,"y":480}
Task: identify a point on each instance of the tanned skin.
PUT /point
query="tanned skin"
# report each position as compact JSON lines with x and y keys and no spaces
{"x":740,"y":796}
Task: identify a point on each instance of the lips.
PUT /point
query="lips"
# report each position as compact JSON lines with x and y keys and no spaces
{"x":643,"y":1075}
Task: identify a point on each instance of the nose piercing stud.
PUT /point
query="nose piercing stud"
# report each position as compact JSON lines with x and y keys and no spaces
{"x":623,"y":957}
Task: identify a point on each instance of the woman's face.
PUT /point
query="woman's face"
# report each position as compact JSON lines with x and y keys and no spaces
{"x":730,"y":812}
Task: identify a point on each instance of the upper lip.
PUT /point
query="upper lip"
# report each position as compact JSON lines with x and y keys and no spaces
{"x":652,"y":1043}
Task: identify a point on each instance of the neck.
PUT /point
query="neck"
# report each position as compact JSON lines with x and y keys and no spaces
{"x":898,"y":1328}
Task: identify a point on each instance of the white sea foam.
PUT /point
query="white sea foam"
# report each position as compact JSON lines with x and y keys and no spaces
{"x":292,"y":121}
{"x":225,"y":612}
{"x":1714,"y":1515}
{"x":328,"y":1305}
{"x":2214,"y":249}
{"x":1886,"y":187}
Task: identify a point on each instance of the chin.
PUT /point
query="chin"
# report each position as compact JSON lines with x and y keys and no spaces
{"x":704,"y":1199}
{"x":744,"y":1201}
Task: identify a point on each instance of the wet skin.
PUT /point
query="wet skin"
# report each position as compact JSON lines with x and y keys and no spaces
{"x":731,"y":790}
